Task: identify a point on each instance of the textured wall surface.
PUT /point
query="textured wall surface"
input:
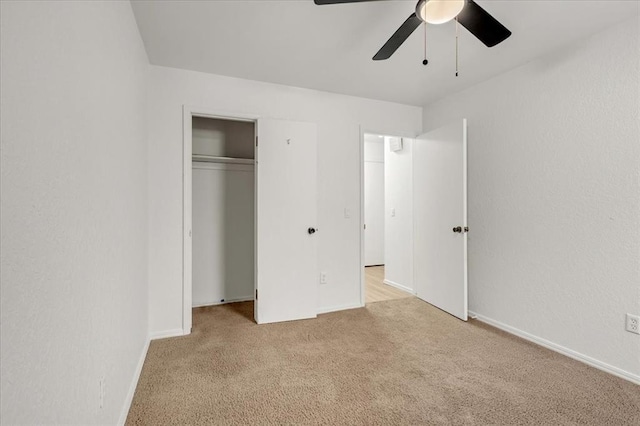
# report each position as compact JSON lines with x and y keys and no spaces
{"x":74,"y":210}
{"x":554,"y":195}
{"x":338,"y":119}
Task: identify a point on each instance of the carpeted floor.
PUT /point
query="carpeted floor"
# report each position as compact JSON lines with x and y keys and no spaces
{"x":394,"y":362}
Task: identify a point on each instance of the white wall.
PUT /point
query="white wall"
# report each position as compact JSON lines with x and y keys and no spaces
{"x":398,"y":189}
{"x":554,"y":195}
{"x":338,"y":117}
{"x":223,"y":138}
{"x":74,"y":210}
{"x":373,"y":148}
{"x":223,"y":232}
{"x":374,"y":210}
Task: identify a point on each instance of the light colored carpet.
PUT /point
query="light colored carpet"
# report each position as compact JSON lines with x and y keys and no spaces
{"x":394,"y":362}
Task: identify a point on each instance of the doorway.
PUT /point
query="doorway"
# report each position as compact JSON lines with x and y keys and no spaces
{"x":425,"y":217}
{"x":386,"y":218}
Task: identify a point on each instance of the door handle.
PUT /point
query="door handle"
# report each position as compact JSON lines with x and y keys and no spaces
{"x":311,"y":231}
{"x":459,"y":229}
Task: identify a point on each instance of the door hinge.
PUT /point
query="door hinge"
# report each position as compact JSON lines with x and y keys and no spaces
{"x":256,"y":294}
{"x":365,"y":226}
{"x":256,"y":141}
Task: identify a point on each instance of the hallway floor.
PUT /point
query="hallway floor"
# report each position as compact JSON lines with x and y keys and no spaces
{"x":375,"y":288}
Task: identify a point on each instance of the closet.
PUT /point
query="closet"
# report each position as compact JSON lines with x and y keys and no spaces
{"x":223,"y":188}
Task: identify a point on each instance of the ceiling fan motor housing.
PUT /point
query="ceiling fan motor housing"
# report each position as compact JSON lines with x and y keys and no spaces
{"x":438,"y":11}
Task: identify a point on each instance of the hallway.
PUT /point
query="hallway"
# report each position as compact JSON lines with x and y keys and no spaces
{"x":375,"y":288}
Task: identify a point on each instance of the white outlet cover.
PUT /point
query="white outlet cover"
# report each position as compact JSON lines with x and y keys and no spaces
{"x":633,"y":324}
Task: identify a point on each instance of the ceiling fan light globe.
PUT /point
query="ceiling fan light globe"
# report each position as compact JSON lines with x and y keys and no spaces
{"x":439,"y":11}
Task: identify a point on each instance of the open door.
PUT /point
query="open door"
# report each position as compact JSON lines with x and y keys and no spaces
{"x":440,"y":218}
{"x":286,"y":221}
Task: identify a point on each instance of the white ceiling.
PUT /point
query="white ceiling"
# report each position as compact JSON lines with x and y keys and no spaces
{"x":297,"y":43}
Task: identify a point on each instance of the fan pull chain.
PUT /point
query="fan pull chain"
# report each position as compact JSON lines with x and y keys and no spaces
{"x":456,"y":46}
{"x":425,"y":61}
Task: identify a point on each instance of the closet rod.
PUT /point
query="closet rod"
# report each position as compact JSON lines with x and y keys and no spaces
{"x":215,"y":159}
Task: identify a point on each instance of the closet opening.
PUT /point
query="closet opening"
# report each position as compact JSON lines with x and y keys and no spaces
{"x":223,"y":213}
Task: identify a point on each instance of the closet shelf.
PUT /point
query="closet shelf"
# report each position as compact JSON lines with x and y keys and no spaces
{"x":227,"y":160}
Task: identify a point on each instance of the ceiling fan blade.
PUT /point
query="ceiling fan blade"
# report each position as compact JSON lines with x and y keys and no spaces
{"x":323,"y":2}
{"x":482,"y":25}
{"x":396,"y":40}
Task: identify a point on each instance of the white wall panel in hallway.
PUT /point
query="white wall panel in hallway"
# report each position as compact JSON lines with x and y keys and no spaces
{"x":374,"y":200}
{"x":398,"y":215}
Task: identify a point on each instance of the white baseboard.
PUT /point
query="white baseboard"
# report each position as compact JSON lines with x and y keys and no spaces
{"x":239,"y":299}
{"x":633,"y":378}
{"x":339,"y":308}
{"x":399,"y":286}
{"x":167,"y":333}
{"x":134,"y":383}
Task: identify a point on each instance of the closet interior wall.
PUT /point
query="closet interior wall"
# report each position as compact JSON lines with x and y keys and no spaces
{"x":223,"y":210}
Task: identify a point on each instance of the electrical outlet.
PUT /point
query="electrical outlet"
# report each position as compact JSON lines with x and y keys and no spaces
{"x":103,"y":390}
{"x":633,"y":323}
{"x":323,"y":277}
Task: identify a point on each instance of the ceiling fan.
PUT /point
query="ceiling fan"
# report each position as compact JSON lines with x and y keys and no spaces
{"x":475,"y":19}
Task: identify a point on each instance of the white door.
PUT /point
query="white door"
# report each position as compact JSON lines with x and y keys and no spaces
{"x":374,"y":213}
{"x":440,"y":218}
{"x":286,"y":219}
